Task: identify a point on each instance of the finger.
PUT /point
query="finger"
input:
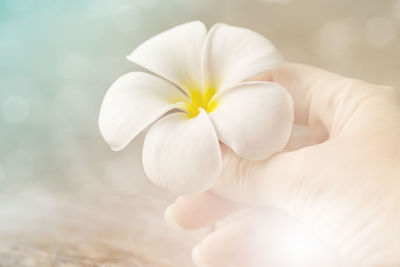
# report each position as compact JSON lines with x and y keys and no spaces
{"x":276,"y":181}
{"x":265,"y":238}
{"x":204,"y":209}
{"x":319,"y":96}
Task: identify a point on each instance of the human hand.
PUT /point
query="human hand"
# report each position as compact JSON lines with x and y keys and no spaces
{"x":341,"y":181}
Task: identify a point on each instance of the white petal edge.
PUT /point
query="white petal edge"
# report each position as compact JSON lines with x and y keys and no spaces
{"x":182,"y":154}
{"x":132,"y":103}
{"x":233,"y":54}
{"x":254,"y":118}
{"x":175,"y":54}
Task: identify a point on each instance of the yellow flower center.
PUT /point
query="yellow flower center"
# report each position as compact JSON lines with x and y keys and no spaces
{"x":198,"y":99}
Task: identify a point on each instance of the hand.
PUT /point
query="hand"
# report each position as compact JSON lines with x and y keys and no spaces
{"x":340,"y":181}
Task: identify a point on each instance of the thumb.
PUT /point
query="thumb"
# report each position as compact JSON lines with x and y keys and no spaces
{"x":278,"y":181}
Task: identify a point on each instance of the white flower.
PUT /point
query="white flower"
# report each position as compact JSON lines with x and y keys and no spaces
{"x":199,"y":98}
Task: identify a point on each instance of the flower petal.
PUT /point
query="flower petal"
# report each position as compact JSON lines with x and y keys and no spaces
{"x":234,"y":54}
{"x":132,"y":103}
{"x":254,"y":118}
{"x":175,"y":54}
{"x":182,"y":154}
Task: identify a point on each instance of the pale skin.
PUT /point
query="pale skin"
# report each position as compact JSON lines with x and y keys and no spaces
{"x":331,"y":198}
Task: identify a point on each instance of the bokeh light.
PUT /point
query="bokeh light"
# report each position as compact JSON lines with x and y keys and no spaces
{"x":15,"y":109}
{"x":396,"y":10}
{"x":379,"y":31}
{"x":126,"y":18}
{"x":338,"y":38}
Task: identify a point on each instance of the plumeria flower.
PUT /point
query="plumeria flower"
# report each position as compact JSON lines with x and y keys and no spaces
{"x":197,"y":98}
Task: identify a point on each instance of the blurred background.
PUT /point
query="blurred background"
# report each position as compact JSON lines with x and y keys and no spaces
{"x":65,"y":197}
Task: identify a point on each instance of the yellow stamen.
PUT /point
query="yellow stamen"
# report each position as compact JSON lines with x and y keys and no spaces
{"x":202,"y":100}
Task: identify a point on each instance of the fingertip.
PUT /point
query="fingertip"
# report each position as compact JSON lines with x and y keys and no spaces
{"x":170,"y":220}
{"x":197,"y":258}
{"x":198,"y":211}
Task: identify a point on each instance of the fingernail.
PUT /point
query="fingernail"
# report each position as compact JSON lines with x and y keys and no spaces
{"x":169,"y":218}
{"x":196,"y":257}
